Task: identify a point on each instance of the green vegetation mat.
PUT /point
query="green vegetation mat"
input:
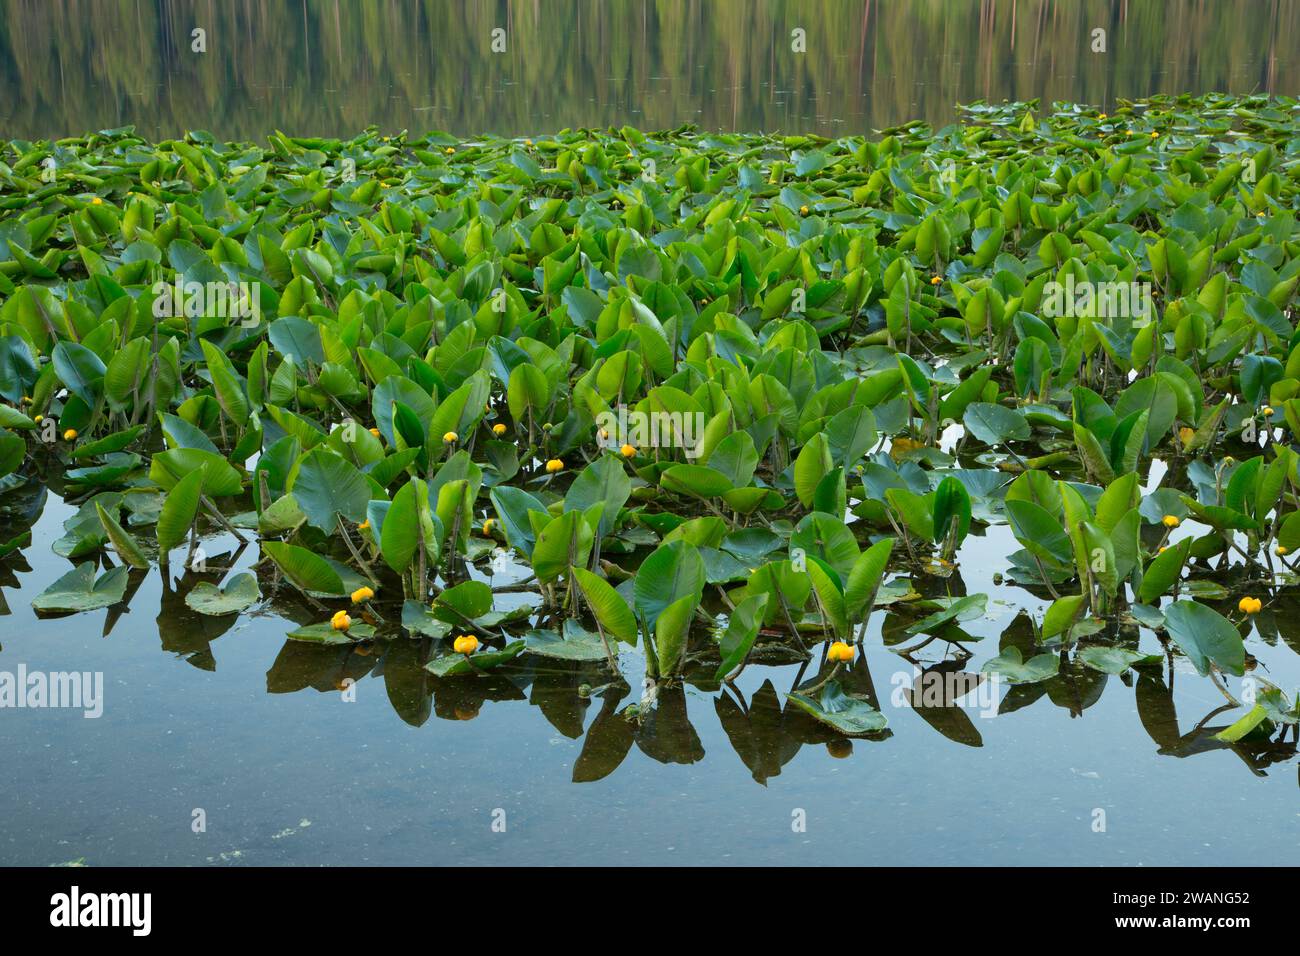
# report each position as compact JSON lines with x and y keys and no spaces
{"x":715,"y":397}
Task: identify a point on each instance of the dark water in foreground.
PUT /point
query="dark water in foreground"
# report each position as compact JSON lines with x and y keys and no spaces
{"x":333,"y":67}
{"x":251,"y":729}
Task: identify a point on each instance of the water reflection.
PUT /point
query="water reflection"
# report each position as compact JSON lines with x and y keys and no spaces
{"x":938,"y":677}
{"x":328,"y":67}
{"x":764,"y":730}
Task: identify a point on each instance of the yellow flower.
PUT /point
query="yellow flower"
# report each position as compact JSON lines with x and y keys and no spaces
{"x":1154,"y":134}
{"x":1128,"y":132}
{"x":1102,"y":116}
{"x":498,"y":429}
{"x":841,"y":652}
{"x":466,"y":644}
{"x":375,"y":432}
{"x":528,"y":142}
{"x":341,"y":621}
{"x":450,"y":437}
{"x":364,"y":526}
{"x":554,"y":465}
{"x":27,"y":400}
{"x":803,"y":210}
{"x":362,"y":594}
{"x":1162,"y":550}
{"x":38,"y":419}
{"x":1267,"y":409}
{"x":1250,"y":605}
{"x":97,"y":201}
{"x":935,"y":280}
{"x":70,"y":435}
{"x":450,"y":150}
{"x":627,"y":451}
{"x":1171,"y":521}
{"x":487,"y":525}
{"x":1280,"y":550}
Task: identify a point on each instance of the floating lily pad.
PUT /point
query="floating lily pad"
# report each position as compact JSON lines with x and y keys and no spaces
{"x":1011,"y":666}
{"x":79,"y":590}
{"x":576,"y":644}
{"x":836,"y":709}
{"x":1115,"y":660}
{"x":326,"y":634}
{"x":239,"y":594}
{"x":459,"y":665}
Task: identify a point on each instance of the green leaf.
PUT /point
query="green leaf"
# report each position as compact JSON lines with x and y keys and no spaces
{"x":126,"y":546}
{"x":326,"y":634}
{"x":565,"y":541}
{"x":179,"y":509}
{"x":864,"y":580}
{"x":464,"y":602}
{"x":419,"y":619}
{"x":993,"y":424}
{"x":576,"y":644}
{"x":1115,"y":660}
{"x":80,"y":369}
{"x":951,"y":502}
{"x":327,"y":487}
{"x":1255,"y":718}
{"x":812,"y":465}
{"x":1163,"y":571}
{"x":1061,"y":615}
{"x":78,"y":590}
{"x":1014,"y":669}
{"x":607,"y":605}
{"x":602,"y":482}
{"x":699,"y":481}
{"x":837,"y":710}
{"x":742,"y":630}
{"x":962,"y":609}
{"x":1206,"y":637}
{"x":671,"y":573}
{"x":307,"y":570}
{"x":459,"y":665}
{"x":239,"y":594}
{"x":408,"y":516}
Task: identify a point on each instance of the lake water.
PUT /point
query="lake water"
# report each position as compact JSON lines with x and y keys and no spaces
{"x":256,"y":732}
{"x":329,"y":67}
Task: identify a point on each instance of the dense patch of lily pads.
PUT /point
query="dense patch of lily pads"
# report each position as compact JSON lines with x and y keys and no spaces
{"x":426,"y":385}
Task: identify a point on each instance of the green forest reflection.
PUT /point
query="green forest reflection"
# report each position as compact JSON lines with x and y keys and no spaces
{"x":332,"y":67}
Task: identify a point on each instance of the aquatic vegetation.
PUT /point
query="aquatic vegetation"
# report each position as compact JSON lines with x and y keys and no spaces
{"x":711,"y":399}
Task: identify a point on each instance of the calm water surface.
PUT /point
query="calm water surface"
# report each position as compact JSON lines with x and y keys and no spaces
{"x":333,"y":67}
{"x":252,"y":729}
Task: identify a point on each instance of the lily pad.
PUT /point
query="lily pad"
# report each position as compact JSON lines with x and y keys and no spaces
{"x":326,"y":634}
{"x":460,"y":665}
{"x":79,"y":590}
{"x":239,"y":594}
{"x":1011,"y":666}
{"x":836,"y":709}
